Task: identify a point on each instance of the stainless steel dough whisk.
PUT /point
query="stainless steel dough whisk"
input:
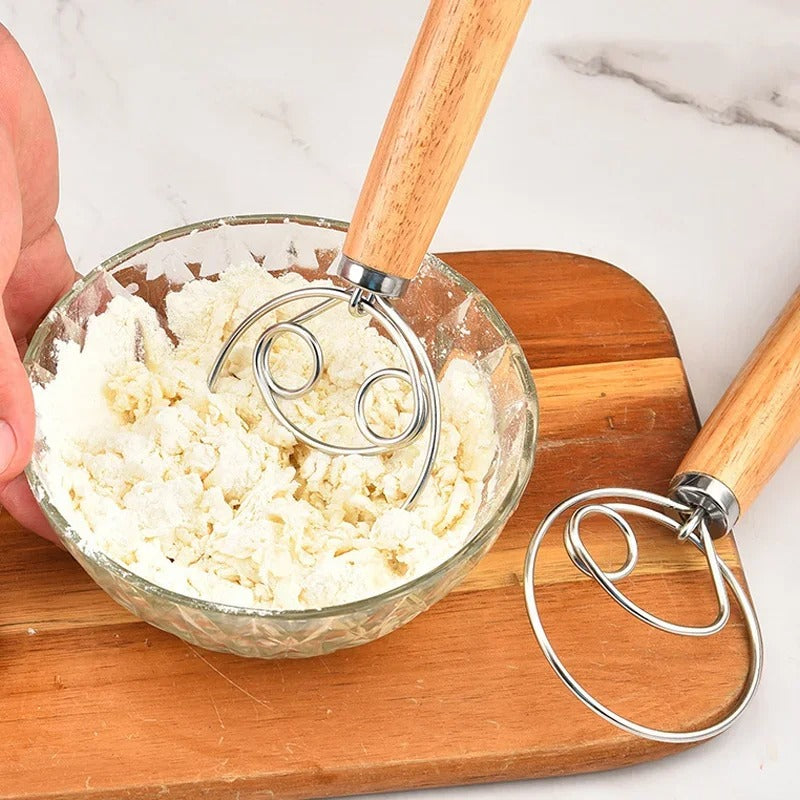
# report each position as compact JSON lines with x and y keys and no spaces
{"x":418,"y":373}
{"x":448,"y":82}
{"x":748,"y":435}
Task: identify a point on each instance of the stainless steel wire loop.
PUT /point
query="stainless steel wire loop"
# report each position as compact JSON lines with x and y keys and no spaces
{"x":606,"y":502}
{"x":418,"y":373}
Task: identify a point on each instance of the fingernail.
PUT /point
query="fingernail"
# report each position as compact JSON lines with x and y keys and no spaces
{"x":8,"y":445}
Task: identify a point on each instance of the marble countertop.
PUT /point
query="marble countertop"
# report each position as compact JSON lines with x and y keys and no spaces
{"x":664,"y":138}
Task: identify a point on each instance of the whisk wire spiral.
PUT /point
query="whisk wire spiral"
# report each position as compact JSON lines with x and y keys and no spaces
{"x":688,"y":525}
{"x":418,"y":373}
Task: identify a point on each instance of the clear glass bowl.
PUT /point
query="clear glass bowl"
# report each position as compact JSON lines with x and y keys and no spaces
{"x":450,"y":314}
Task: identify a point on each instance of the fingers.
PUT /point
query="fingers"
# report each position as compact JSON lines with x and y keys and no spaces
{"x":35,"y":269}
{"x":16,"y":401}
{"x":16,"y":409}
{"x":10,"y":210}
{"x":44,"y":272}
{"x":34,"y":266}
{"x":25,"y":116}
{"x":16,"y":497}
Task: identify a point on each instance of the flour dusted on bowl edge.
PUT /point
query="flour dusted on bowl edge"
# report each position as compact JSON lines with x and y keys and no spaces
{"x":206,"y":494}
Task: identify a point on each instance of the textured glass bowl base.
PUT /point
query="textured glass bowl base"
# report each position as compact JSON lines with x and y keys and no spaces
{"x":451,"y":316}
{"x":246,"y":632}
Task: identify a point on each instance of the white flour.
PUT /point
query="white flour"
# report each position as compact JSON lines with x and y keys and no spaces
{"x":206,"y":494}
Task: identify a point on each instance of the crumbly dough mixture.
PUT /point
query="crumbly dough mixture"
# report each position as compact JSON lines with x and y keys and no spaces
{"x":208,"y":495}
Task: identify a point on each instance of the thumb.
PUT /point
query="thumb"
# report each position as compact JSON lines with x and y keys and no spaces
{"x":16,"y":409}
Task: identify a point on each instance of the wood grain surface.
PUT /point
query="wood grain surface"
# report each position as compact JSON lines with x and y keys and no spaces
{"x":434,"y":118}
{"x":99,"y":705}
{"x":757,"y":422}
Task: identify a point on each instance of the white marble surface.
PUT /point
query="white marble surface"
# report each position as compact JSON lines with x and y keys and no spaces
{"x":662,"y":137}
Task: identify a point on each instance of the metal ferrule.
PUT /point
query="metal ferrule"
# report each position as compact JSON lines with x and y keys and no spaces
{"x":698,"y":490}
{"x":369,"y":279}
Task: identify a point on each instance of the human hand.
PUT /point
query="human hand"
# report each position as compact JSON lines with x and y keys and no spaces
{"x":35,"y":269}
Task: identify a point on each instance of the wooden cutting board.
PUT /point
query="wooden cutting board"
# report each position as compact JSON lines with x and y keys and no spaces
{"x":97,"y":704}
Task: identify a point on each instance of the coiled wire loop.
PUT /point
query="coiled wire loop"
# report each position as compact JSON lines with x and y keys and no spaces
{"x":418,"y":374}
{"x":687,"y":524}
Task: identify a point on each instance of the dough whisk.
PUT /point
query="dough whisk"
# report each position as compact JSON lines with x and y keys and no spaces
{"x":748,"y":435}
{"x":448,"y":82}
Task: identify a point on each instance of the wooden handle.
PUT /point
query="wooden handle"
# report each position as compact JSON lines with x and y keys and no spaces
{"x":757,"y":422}
{"x":448,"y":82}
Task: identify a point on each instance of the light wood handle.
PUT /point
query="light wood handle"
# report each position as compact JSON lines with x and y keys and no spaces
{"x":448,"y":82}
{"x":757,"y":422}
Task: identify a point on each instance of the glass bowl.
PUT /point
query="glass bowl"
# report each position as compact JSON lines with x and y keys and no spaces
{"x":450,"y":314}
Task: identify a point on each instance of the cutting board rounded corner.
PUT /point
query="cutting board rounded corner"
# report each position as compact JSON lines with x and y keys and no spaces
{"x":567,"y":328}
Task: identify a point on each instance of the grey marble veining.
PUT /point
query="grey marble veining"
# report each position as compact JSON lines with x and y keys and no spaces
{"x":758,"y":86}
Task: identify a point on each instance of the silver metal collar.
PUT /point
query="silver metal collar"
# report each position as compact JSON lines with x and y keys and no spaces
{"x":698,"y":490}
{"x":369,"y":279}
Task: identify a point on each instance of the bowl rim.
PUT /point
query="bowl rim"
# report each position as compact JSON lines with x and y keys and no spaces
{"x":471,"y":546}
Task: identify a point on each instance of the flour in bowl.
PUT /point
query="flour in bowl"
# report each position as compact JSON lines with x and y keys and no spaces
{"x":205,"y":493}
